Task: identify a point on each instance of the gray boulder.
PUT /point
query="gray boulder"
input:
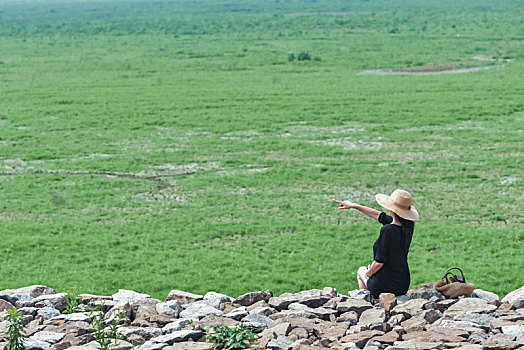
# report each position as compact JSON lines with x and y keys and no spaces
{"x":129,"y":296}
{"x":183,"y":297}
{"x":360,"y":294}
{"x":48,"y":312}
{"x":172,"y":307}
{"x":216,"y":299}
{"x":200,"y":309}
{"x":48,"y":337}
{"x":257,"y":321}
{"x":32,"y":344}
{"x":253,"y":297}
{"x":144,"y":332}
{"x":179,"y":336}
{"x":517,"y":330}
{"x":176,"y":326}
{"x":280,"y":343}
{"x":482,"y":294}
{"x":510,"y":298}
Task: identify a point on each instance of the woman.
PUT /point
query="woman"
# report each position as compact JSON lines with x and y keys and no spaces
{"x":389,"y":271}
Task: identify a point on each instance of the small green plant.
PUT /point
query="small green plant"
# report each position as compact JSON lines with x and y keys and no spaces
{"x":230,"y":338}
{"x":73,"y":301}
{"x":104,"y":336}
{"x":304,"y":56}
{"x":15,"y":330}
{"x":291,"y":57}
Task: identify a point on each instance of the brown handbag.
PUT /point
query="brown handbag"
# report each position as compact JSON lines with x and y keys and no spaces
{"x":452,"y":286}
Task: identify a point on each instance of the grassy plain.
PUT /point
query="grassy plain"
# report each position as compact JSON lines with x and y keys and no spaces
{"x":172,"y":145}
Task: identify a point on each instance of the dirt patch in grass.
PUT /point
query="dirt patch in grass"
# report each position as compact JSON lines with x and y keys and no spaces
{"x":428,"y":70}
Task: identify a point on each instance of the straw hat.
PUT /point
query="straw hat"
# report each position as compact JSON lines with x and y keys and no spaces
{"x":399,"y":202}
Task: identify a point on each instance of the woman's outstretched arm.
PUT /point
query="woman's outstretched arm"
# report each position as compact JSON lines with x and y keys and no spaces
{"x":372,"y":213}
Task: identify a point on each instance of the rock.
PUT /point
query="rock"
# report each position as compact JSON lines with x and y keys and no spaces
{"x":493,"y":343}
{"x":264,"y":311}
{"x":334,"y":331}
{"x":200,"y":309}
{"x":517,"y":330}
{"x":178,"y":336}
{"x":145,"y":332}
{"x":433,"y":336}
{"x":360,"y":339}
{"x":184,"y":297}
{"x":280,"y":343}
{"x":238,"y":313}
{"x":32,"y":344}
{"x":89,"y":346}
{"x":33,"y":311}
{"x":356,"y":305}
{"x":257,"y":321}
{"x":253,"y":297}
{"x":510,"y":298}
{"x":363,"y":294}
{"x":396,"y":320}
{"x":143,"y":314}
{"x":287,"y":315}
{"x":124,"y":311}
{"x":402,"y":299}
{"x":213,"y":321}
{"x":443,"y":305}
{"x":425,"y":291}
{"x":216,"y":299}
{"x":282,"y":328}
{"x":469,"y":305}
{"x":88,"y":298}
{"x":388,"y":338}
{"x":479,"y":320}
{"x":48,"y":337}
{"x":409,"y":308}
{"x":190,"y":346}
{"x":48,"y":312}
{"x":387,"y":301}
{"x":482,"y":294}
{"x":321,"y":312}
{"x":74,"y":317}
{"x":415,"y":344}
{"x":312,"y":298}
{"x":461,"y":325}
{"x":122,"y":345}
{"x":13,"y":295}
{"x":372,"y":317}
{"x":56,"y":301}
{"x":74,"y":329}
{"x":5,"y":305}
{"x":350,"y":317}
{"x":172,"y":307}
{"x":129,"y":296}
{"x":176,"y":325}
{"x":415,"y":324}
{"x":150,"y":345}
{"x":477,"y":338}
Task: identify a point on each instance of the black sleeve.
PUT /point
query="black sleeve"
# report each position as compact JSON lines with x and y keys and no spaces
{"x":381,"y":255}
{"x":384,"y":219}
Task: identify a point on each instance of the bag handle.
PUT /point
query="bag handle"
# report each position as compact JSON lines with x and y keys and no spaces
{"x":460,"y":278}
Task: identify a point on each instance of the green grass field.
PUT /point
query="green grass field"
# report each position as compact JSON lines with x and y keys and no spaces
{"x":158,"y":145}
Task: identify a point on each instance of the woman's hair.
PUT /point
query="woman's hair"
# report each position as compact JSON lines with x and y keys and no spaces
{"x":408,"y":227}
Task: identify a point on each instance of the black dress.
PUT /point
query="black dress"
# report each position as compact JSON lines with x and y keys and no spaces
{"x":390,"y":250}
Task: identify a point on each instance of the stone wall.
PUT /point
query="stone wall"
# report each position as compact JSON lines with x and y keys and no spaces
{"x":313,"y":319}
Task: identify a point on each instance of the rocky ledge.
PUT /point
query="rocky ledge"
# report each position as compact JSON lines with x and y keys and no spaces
{"x":312,"y":319}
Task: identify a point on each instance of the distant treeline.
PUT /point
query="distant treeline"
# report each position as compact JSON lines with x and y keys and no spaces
{"x":275,"y":18}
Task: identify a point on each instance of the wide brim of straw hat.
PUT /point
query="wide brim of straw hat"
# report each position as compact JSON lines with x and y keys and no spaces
{"x":385,"y":201}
